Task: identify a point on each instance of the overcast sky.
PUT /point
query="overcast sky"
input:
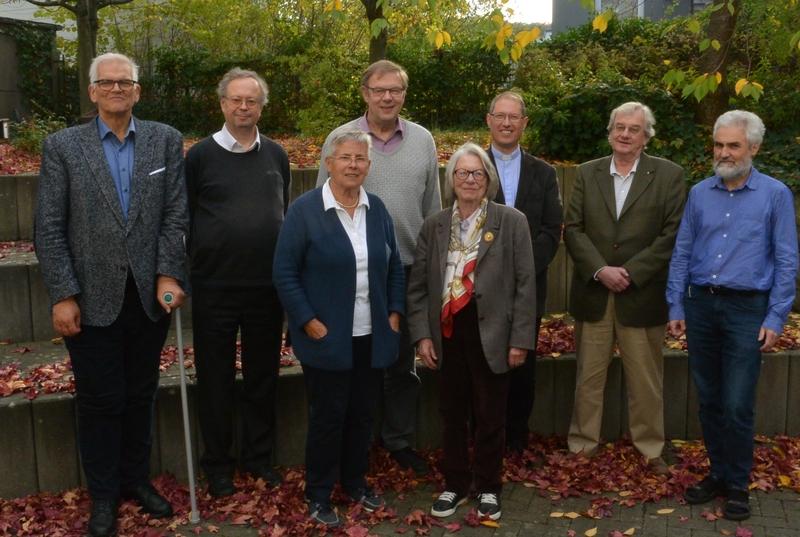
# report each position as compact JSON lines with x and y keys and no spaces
{"x":531,"y":10}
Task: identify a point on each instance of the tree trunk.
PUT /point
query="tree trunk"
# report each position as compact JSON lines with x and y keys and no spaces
{"x":86,"y":17}
{"x":377,"y":44}
{"x":721,"y":26}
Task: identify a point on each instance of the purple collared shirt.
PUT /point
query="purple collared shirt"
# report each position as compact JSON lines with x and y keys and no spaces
{"x":387,"y":146}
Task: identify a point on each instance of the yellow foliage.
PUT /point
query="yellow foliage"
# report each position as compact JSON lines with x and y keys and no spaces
{"x":591,"y":533}
{"x":718,"y":76}
{"x":438,"y":40}
{"x":600,"y":22}
{"x":742,"y":82}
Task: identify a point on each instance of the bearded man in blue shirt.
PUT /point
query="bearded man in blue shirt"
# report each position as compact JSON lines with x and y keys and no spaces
{"x":731,"y":286}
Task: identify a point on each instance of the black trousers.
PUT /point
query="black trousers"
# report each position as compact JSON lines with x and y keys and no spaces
{"x":217,"y":317}
{"x":521,"y":394}
{"x":341,"y":407}
{"x":116,"y":378}
{"x":469,"y":391}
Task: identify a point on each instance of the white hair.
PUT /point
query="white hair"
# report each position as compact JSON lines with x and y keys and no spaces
{"x":632,"y":107}
{"x":112,"y":57}
{"x":753,"y":126}
{"x":469,"y":148}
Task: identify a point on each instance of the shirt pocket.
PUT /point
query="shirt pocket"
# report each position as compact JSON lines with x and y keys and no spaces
{"x":751,"y":230}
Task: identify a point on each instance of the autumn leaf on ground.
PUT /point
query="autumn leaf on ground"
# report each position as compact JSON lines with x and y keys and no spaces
{"x":741,"y":531}
{"x":665,"y":511}
{"x":490,"y":523}
{"x":591,"y":532}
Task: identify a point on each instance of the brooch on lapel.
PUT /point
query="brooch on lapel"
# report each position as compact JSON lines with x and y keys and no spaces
{"x":488,"y":236}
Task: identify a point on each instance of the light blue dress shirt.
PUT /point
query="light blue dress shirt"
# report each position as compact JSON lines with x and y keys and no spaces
{"x":743,"y":239}
{"x":508,"y":168}
{"x":119,"y":156}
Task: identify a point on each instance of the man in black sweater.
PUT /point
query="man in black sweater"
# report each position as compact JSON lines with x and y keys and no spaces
{"x":238,"y":188}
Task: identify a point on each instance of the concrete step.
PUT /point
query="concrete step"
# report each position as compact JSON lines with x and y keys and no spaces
{"x":25,"y":311}
{"x":38,"y":449}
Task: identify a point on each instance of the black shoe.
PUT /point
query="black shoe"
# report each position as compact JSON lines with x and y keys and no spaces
{"x":322,"y":513}
{"x":220,"y":485}
{"x":267,"y":473}
{"x":103,"y":520}
{"x":408,"y":458}
{"x":447,"y":503}
{"x":369,"y":501}
{"x":737,"y":506}
{"x":489,"y":505}
{"x":705,"y":491}
{"x":151,"y":501}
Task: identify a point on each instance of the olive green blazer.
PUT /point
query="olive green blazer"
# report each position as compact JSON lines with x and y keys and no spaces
{"x":641,"y":240}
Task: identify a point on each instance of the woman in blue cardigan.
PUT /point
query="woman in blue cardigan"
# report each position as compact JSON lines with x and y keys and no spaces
{"x":338,"y":274}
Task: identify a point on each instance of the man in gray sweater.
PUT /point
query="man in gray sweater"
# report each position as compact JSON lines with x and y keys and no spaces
{"x":405,"y":175}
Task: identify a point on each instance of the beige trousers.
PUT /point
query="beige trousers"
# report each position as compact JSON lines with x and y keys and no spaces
{"x":643,"y":366}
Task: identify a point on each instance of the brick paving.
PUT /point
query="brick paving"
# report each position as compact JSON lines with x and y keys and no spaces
{"x":527,"y":514}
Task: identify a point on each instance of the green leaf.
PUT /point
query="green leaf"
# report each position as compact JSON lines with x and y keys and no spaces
{"x":378,"y":25}
{"x":795,"y":40}
{"x":704,"y":44}
{"x":688,"y":90}
{"x":731,"y":9}
{"x":715,"y":44}
{"x":694,"y":26}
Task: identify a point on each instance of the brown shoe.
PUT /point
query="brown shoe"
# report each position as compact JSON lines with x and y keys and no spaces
{"x":658,"y":466}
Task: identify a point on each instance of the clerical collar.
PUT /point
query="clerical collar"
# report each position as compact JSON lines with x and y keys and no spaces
{"x":503,"y":156}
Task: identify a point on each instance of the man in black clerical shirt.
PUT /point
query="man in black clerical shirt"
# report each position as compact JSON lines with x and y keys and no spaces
{"x":238,"y":188}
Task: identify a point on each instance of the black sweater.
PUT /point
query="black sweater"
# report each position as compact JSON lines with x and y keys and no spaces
{"x":237,"y":202}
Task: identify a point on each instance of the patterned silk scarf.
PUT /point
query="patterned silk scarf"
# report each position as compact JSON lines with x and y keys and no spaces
{"x":459,"y":274}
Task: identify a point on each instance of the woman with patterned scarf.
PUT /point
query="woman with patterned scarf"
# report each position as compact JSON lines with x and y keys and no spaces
{"x":471,"y":312}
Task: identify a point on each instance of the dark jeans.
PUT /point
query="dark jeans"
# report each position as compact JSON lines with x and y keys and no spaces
{"x":468,"y":389}
{"x":725,"y":361}
{"x":217,"y":317}
{"x":521,"y":394}
{"x":340,"y":417}
{"x":116,"y":378}
{"x":400,"y":393}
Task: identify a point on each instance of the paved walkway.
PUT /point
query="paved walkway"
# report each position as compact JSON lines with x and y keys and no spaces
{"x":526,"y":513}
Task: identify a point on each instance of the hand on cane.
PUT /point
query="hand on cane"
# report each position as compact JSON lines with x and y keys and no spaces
{"x":169,"y":293}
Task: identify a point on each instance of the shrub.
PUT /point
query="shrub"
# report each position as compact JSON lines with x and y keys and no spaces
{"x":29,"y":134}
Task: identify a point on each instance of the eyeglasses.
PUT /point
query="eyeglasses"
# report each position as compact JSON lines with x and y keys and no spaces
{"x":462,"y":174}
{"x":108,"y":85}
{"x":380,"y":92}
{"x":513,"y":118}
{"x":620,"y":128}
{"x":238,"y":102}
{"x":360,"y":160}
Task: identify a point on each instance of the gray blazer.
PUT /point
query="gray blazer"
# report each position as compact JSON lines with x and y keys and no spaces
{"x":84,"y":244}
{"x":505,"y":284}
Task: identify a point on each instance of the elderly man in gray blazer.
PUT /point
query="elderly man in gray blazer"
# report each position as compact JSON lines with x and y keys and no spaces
{"x":471,"y":312}
{"x":110,"y":224}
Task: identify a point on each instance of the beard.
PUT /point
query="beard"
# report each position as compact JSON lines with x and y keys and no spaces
{"x":732,"y":170}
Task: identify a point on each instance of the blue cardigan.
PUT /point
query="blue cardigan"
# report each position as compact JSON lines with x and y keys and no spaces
{"x":314,"y":273}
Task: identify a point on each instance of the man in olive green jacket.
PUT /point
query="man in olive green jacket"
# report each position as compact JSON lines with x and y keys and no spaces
{"x":620,"y":229}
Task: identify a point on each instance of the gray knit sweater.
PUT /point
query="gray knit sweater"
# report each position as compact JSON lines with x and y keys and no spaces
{"x":407,"y":181}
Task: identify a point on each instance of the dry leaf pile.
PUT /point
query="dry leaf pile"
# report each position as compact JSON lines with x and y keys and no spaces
{"x":615,"y":476}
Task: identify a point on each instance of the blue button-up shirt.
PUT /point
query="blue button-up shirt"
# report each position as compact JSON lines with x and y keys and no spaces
{"x":743,"y":239}
{"x":119,"y":156}
{"x":508,"y":168}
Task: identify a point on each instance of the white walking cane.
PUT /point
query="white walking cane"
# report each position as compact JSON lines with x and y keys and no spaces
{"x":194,"y":516}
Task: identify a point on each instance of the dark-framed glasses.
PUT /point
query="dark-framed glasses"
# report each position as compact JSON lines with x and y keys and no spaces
{"x":380,"y":92}
{"x":126,"y":84}
{"x":462,"y":174}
